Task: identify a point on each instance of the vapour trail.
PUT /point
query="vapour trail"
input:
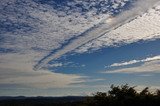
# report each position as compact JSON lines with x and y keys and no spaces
{"x":102,"y":28}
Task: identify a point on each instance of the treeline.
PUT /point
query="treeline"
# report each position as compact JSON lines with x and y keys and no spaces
{"x":118,"y":96}
{"x":124,"y":96}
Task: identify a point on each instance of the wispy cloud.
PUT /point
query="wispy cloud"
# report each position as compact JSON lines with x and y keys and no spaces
{"x":125,"y":63}
{"x":16,"y":69}
{"x":94,"y":80}
{"x":55,"y":65}
{"x":135,"y":61}
{"x":149,"y":66}
{"x":146,"y":75}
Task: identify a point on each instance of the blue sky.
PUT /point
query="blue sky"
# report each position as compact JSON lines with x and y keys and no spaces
{"x":70,"y":47}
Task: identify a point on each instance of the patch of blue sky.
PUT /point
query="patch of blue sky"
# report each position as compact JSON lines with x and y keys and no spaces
{"x":96,"y":61}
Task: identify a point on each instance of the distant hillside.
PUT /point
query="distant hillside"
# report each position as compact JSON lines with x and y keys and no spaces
{"x":41,"y":101}
{"x":118,"y":96}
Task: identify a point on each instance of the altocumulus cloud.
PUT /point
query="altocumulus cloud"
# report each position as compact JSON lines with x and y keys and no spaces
{"x":29,"y":31}
{"x":145,"y":26}
{"x":104,"y":28}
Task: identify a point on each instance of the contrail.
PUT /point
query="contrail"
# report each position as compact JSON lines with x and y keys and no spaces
{"x":102,"y":28}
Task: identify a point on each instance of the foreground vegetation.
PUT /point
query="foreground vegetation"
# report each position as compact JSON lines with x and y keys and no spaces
{"x":125,"y":96}
{"x":118,"y":96}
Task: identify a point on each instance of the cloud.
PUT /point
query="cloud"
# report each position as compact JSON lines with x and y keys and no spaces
{"x":146,"y":75}
{"x":33,"y":30}
{"x":46,"y":80}
{"x":143,"y":27}
{"x":95,"y":32}
{"x":125,"y":63}
{"x":41,"y":79}
{"x":95,"y":80}
{"x":135,"y":61}
{"x":149,"y":66}
{"x":28,"y":26}
{"x":55,"y":65}
{"x":139,"y":88}
{"x":16,"y":69}
{"x":36,"y":26}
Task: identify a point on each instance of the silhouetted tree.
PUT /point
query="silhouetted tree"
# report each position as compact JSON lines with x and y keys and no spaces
{"x":125,"y":96}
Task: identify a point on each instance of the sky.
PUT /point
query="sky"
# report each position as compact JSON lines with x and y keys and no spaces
{"x":78,"y":47}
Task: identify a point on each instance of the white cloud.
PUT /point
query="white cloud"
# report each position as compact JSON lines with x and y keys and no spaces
{"x":55,"y":65}
{"x":40,"y":79}
{"x":41,"y":27}
{"x":38,"y":27}
{"x":16,"y":69}
{"x":33,"y":30}
{"x":149,"y":66}
{"x":139,"y":88}
{"x":143,"y":27}
{"x":135,"y":61}
{"x":125,"y":63}
{"x":95,"y":80}
{"x":99,"y":30}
